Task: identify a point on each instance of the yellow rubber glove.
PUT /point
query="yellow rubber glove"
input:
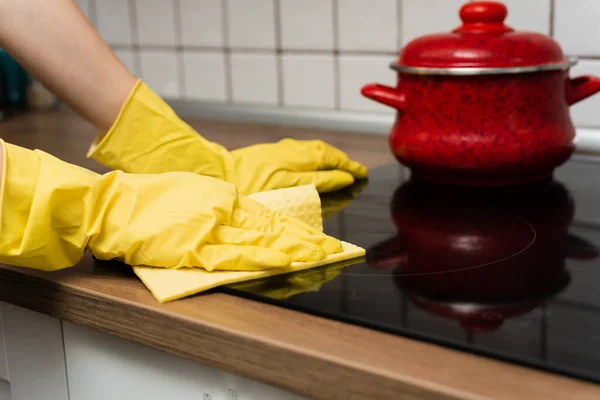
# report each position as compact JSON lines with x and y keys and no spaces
{"x":52,"y":211}
{"x":148,"y":137}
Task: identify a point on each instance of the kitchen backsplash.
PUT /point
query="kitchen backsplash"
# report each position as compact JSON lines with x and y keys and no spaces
{"x":311,"y":54}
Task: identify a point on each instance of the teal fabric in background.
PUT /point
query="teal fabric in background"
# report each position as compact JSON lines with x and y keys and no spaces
{"x":14,"y":81}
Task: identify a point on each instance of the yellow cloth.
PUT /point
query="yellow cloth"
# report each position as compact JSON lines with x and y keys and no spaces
{"x":52,"y":211}
{"x":302,"y":202}
{"x":148,"y":137}
{"x":172,"y":284}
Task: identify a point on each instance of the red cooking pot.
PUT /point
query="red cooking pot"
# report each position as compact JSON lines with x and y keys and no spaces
{"x":483,"y":105}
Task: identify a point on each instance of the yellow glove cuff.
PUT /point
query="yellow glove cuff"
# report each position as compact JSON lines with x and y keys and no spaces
{"x":149,"y":137}
{"x":43,"y":209}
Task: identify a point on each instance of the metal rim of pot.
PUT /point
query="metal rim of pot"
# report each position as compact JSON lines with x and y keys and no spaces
{"x":467,"y":71}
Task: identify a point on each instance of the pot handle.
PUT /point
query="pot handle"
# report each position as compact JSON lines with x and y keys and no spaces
{"x":581,"y":249}
{"x":581,"y":87}
{"x":389,"y":96}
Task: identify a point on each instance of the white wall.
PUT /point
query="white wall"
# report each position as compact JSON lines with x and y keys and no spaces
{"x":309,"y":53}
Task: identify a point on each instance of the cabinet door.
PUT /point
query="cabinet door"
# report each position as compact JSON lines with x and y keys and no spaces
{"x":35,"y":355}
{"x":103,"y":367}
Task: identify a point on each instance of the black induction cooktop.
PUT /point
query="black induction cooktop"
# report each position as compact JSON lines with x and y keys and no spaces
{"x":511,"y":273}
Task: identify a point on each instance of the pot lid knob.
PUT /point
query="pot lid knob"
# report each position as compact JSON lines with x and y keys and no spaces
{"x":483,"y":16}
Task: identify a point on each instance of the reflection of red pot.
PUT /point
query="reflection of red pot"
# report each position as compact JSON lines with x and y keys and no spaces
{"x":484,"y":104}
{"x":475,"y":251}
{"x":477,"y":317}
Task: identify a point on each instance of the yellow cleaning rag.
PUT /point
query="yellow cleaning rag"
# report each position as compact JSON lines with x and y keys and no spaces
{"x":302,"y":202}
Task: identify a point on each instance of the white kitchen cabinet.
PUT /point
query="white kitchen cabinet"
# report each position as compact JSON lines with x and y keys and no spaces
{"x":101,"y":367}
{"x":3,"y":366}
{"x":35,"y":355}
{"x":53,"y":360}
{"x":4,"y":385}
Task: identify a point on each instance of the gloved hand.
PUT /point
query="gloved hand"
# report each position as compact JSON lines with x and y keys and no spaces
{"x":52,"y":211}
{"x":148,"y":137}
{"x":293,"y":163}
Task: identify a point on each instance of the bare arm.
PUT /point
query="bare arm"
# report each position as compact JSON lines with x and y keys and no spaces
{"x":58,"y":46}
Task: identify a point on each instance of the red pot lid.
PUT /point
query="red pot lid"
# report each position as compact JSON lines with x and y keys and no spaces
{"x":483,"y":42}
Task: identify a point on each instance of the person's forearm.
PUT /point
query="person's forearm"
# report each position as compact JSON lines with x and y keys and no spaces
{"x":58,"y":46}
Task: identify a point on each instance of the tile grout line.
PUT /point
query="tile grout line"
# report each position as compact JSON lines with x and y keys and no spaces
{"x":133,"y":33}
{"x":337,"y":84}
{"x":399,"y":23}
{"x":226,"y":52}
{"x":255,"y":50}
{"x":552,"y":6}
{"x":179,"y":45}
{"x":278,"y":52}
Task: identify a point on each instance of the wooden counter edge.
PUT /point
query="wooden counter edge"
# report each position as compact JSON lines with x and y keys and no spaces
{"x":381,"y":365}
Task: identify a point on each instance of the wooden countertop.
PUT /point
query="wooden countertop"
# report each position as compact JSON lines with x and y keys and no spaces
{"x":309,"y":355}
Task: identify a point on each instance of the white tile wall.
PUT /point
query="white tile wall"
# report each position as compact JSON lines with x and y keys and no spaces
{"x":577,"y":27}
{"x":202,"y":23}
{"x":155,"y":22}
{"x":254,"y":78}
{"x":309,"y":80}
{"x":355,"y":72}
{"x":309,"y":53}
{"x":159,"y":70}
{"x":368,"y":25}
{"x":204,"y":75}
{"x":113,"y":21}
{"x":306,"y":24}
{"x":84,"y":5}
{"x":128,"y":58}
{"x":422,"y":17}
{"x":529,"y":15}
{"x":251,"y":24}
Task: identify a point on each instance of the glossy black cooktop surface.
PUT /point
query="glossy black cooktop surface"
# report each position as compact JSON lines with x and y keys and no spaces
{"x":511,"y":273}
